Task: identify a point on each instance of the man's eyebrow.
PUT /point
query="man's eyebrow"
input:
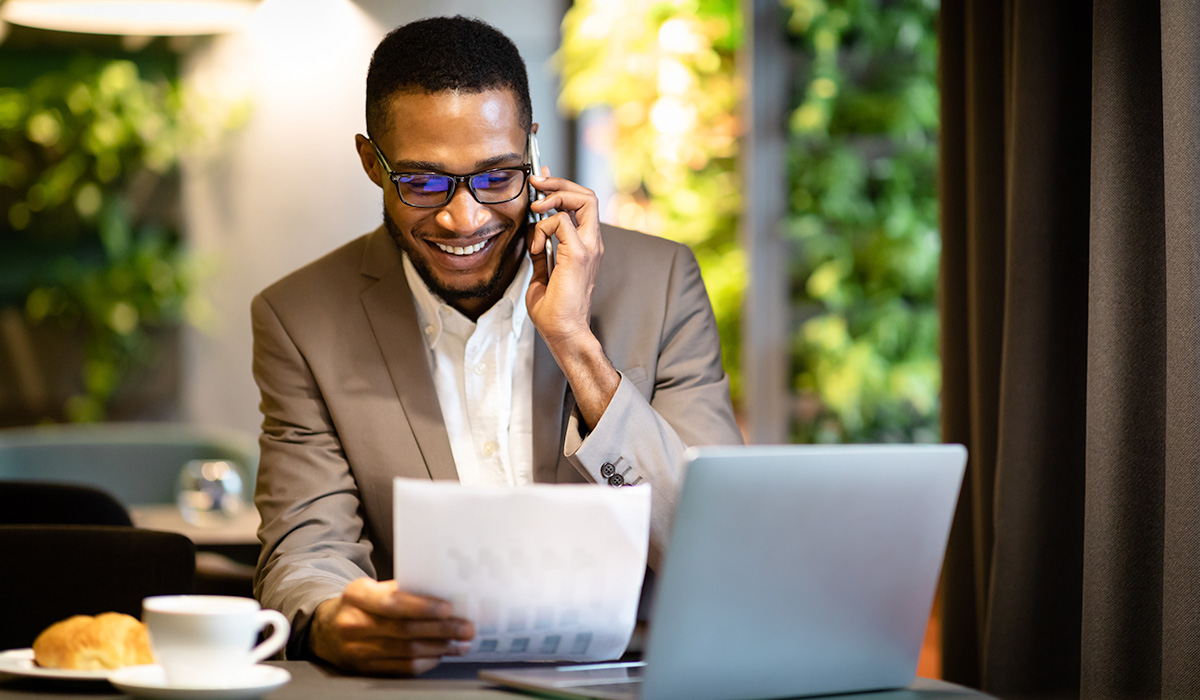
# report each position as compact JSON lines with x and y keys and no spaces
{"x":507,"y":159}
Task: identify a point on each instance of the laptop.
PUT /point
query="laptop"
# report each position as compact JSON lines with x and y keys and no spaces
{"x":792,"y":570}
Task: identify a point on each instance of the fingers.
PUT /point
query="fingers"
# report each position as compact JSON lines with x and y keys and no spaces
{"x":548,"y":184}
{"x":560,"y":303}
{"x":538,"y":240}
{"x":374,"y":627}
{"x":583,"y":206}
{"x":540,"y":258}
{"x":559,"y":226}
{"x":400,"y":640}
{"x":383,"y":598}
{"x":567,"y":199}
{"x":564,"y":195}
{"x":368,"y":649}
{"x":451,"y":629}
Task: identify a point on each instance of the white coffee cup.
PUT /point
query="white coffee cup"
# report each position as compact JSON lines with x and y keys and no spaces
{"x":208,"y":640}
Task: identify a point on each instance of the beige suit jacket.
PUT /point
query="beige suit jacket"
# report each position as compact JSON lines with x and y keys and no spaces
{"x":348,"y":403}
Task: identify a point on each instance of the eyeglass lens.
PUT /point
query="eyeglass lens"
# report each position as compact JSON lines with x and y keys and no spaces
{"x":492,"y":186}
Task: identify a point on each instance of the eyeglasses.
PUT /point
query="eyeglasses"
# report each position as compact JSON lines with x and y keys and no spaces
{"x":430,"y":190}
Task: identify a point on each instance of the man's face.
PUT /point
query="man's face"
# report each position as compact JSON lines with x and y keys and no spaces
{"x":456,"y":133}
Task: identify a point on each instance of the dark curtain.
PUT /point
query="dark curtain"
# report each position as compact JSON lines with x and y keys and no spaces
{"x":1070,"y":302}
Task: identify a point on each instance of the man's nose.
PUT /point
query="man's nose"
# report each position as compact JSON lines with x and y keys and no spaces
{"x":462,"y":214}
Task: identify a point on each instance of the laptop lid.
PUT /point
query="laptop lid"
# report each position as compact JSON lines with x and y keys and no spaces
{"x":800,"y":570}
{"x":792,"y":570}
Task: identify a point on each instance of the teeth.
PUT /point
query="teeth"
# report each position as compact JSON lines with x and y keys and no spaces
{"x":460,"y":250}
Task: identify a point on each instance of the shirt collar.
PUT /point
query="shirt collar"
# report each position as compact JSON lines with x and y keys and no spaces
{"x":434,"y":314}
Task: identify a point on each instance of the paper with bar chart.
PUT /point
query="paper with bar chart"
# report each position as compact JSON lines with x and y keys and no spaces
{"x":546,"y":572}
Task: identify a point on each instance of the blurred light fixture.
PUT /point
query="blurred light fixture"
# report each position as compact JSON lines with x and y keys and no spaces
{"x":131,"y":17}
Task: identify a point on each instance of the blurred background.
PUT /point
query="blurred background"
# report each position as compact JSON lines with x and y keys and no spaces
{"x":160,"y":166}
{"x":154,"y":178}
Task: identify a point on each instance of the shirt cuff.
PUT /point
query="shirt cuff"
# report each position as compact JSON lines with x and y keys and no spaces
{"x":603,"y":453}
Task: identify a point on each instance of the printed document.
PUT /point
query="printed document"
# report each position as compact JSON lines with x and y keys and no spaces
{"x":546,"y":572}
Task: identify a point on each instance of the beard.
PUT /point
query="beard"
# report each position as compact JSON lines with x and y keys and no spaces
{"x":492,"y":288}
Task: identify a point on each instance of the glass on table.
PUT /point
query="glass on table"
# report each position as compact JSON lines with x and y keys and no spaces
{"x":210,"y":491}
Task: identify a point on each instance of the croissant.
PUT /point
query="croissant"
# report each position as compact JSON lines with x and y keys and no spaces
{"x":82,"y":642}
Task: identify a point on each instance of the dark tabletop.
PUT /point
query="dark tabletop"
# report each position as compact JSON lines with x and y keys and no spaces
{"x":448,"y":681}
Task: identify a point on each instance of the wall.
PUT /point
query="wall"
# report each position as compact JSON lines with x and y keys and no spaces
{"x":288,"y":186}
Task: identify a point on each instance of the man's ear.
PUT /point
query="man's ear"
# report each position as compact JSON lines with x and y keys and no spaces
{"x":366,"y":156}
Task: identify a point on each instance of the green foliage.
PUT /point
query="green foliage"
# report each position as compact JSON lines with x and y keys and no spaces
{"x":863,"y":216}
{"x":862,"y":194}
{"x":666,"y":72}
{"x":88,"y":223}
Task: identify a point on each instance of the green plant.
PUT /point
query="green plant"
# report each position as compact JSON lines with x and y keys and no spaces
{"x":666,"y":72}
{"x":88,"y":202}
{"x":863,"y":217}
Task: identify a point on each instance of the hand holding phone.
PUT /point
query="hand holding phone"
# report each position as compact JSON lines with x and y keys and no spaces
{"x":559,"y":299}
{"x":560,"y":303}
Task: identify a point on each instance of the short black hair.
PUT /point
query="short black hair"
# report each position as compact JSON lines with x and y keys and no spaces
{"x":444,"y":53}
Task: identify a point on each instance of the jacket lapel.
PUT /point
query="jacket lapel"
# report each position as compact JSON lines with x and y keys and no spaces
{"x":393,"y":318}
{"x":551,"y":406}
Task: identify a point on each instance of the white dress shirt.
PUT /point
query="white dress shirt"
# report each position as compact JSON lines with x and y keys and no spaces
{"x":483,"y":373}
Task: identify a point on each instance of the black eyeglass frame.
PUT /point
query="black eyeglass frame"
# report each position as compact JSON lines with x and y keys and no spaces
{"x":394,"y":176}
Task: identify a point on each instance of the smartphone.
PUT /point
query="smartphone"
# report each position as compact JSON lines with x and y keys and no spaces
{"x":534,"y":157}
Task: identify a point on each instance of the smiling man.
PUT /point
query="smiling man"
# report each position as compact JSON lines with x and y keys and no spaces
{"x":440,"y":346}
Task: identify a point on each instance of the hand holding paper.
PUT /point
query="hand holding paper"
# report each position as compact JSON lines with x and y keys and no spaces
{"x":545,"y":572}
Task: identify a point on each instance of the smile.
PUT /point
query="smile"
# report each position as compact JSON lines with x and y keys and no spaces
{"x":460,"y":250}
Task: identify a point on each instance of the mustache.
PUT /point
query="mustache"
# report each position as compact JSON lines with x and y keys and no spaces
{"x":489,"y":230}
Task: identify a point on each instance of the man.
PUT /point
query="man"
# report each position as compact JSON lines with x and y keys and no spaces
{"x":440,"y":346}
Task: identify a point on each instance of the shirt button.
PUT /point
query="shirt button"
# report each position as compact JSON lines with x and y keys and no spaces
{"x":429,"y":330}
{"x":607,"y":470}
{"x":616,"y":480}
{"x":489,"y":448}
{"x":480,"y":368}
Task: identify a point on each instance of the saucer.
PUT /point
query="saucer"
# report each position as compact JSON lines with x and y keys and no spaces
{"x":151,"y":682}
{"x":19,"y":662}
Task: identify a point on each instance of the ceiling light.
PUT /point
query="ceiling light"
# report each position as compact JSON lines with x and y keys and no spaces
{"x":131,"y":17}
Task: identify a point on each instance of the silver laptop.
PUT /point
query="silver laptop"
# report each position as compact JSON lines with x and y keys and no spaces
{"x":792,"y":570}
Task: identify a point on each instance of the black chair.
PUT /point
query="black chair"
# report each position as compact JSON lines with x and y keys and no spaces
{"x":45,"y":503}
{"x":56,"y":503}
{"x":52,"y":572}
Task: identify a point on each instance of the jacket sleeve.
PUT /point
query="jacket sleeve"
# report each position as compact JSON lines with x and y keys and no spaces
{"x":312,"y":531}
{"x":645,"y":429}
